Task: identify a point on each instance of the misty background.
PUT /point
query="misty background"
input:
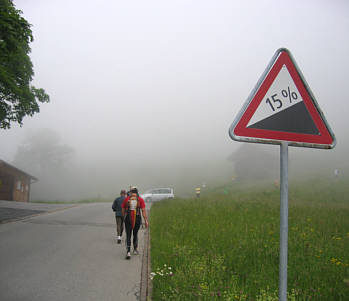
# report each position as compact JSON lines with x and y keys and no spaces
{"x":143,"y":92}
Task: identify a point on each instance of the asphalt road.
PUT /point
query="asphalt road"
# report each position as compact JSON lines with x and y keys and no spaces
{"x":69,"y":254}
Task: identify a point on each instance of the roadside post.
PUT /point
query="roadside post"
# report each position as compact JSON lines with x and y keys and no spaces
{"x":282,"y":110}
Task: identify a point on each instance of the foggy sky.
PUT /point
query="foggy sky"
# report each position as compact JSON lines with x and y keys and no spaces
{"x":153,"y":82}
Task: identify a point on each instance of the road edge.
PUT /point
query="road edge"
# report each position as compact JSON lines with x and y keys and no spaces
{"x":146,"y":286}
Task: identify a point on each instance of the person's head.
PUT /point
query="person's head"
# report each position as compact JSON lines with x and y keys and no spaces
{"x":123,"y":192}
{"x":133,"y":196}
{"x":134,"y":190}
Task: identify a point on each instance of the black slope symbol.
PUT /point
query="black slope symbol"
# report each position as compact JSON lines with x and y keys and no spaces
{"x":295,"y":119}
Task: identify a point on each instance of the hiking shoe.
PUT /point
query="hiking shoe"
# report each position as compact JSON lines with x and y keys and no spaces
{"x":135,"y":252}
{"x":128,"y":255}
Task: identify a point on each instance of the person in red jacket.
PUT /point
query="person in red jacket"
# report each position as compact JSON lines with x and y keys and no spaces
{"x":131,"y":208}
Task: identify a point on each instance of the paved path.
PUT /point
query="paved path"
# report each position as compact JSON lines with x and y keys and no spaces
{"x":10,"y":211}
{"x":67,"y":255}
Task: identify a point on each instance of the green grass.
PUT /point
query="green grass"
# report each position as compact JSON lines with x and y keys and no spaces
{"x":225,"y":245}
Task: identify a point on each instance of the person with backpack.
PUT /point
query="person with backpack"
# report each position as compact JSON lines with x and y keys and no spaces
{"x":132,"y":207}
{"x":118,"y":214}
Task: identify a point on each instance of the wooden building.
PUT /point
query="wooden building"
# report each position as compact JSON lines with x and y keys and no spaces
{"x":14,"y":183}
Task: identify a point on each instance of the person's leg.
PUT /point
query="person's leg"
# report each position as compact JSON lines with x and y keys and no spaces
{"x":135,"y":233}
{"x":118,"y":224}
{"x":128,"y":233}
{"x":121,"y":226}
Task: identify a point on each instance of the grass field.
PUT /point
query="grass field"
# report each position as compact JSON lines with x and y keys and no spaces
{"x":225,"y":245}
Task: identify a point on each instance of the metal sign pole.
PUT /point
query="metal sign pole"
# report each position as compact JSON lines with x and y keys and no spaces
{"x":283,"y":221}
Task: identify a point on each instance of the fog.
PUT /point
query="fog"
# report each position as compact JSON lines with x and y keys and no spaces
{"x":143,"y":92}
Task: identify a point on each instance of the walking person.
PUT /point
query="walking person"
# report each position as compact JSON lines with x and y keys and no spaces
{"x":132,"y":207}
{"x":118,"y":214}
{"x":197,"y":191}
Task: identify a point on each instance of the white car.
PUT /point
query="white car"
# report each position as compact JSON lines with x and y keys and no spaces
{"x":158,"y":194}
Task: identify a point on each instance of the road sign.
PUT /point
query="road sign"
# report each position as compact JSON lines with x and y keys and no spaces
{"x":282,"y":108}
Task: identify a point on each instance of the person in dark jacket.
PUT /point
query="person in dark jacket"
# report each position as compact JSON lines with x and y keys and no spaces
{"x":118,"y":214}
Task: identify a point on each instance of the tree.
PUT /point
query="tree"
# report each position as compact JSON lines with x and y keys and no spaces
{"x":18,"y":98}
{"x":42,"y":153}
{"x":255,"y":163}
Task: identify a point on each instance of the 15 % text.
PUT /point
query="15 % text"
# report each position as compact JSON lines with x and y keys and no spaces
{"x":276,"y":103}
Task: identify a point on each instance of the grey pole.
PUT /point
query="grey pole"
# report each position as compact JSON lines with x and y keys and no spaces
{"x":283,"y":221}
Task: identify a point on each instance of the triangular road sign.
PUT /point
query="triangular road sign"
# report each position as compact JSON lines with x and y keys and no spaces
{"x":282,"y":108}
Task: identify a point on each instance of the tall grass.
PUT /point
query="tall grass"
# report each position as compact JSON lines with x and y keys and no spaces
{"x":225,"y":245}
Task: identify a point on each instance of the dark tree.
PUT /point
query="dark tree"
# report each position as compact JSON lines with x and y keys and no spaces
{"x":254,"y":162}
{"x":43,"y":154}
{"x":18,"y":98}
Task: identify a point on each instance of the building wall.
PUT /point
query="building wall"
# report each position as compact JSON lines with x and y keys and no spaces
{"x":6,"y":187}
{"x":14,"y":186}
{"x":21,"y":189}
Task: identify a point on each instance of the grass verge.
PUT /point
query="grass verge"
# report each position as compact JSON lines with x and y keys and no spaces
{"x":225,"y":245}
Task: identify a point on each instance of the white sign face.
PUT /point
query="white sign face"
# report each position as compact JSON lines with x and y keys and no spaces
{"x":281,"y":95}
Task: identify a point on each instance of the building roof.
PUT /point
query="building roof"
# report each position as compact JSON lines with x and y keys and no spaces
{"x":2,"y":162}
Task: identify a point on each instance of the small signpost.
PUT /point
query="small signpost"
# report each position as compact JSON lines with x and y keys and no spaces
{"x":282,"y":110}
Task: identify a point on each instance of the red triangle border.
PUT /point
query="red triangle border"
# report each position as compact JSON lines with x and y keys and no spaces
{"x":240,"y":130}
